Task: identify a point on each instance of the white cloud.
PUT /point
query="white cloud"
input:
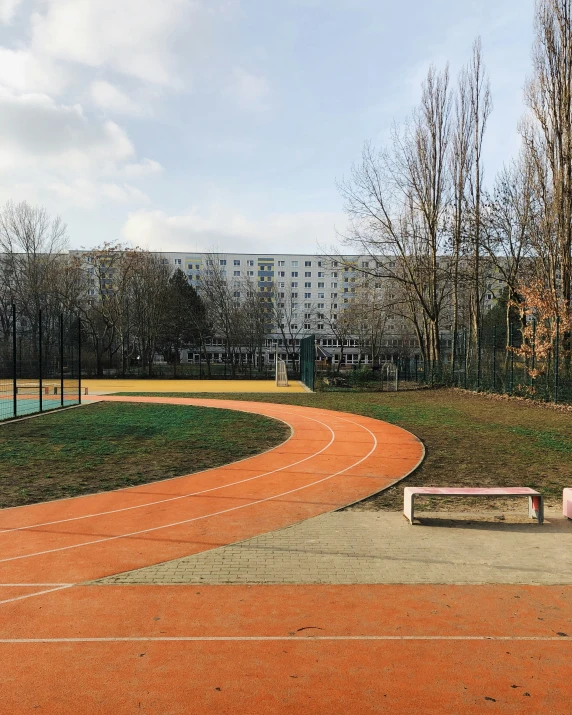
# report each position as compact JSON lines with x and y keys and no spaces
{"x":225,"y":230}
{"x":25,"y":72}
{"x":88,"y":194}
{"x":250,"y":92}
{"x":8,"y":9}
{"x":111,"y":98}
{"x":33,"y":129}
{"x":133,"y":37}
{"x":143,"y":168}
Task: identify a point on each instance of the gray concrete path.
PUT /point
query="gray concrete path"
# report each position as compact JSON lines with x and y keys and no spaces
{"x":382,"y":547}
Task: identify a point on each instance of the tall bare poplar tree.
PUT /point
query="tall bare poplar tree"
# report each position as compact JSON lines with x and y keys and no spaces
{"x":480,"y":108}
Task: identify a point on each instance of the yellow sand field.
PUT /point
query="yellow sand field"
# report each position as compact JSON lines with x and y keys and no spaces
{"x":96,"y":387}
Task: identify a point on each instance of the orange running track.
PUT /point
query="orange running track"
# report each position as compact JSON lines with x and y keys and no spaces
{"x":70,"y":647}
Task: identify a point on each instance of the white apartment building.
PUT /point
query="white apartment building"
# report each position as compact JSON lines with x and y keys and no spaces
{"x":312,"y":289}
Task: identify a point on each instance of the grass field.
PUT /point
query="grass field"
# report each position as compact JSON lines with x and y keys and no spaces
{"x":471,"y":440}
{"x":108,"y":446}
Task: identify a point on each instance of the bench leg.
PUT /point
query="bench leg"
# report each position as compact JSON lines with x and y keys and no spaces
{"x":536,"y":508}
{"x":409,"y":506}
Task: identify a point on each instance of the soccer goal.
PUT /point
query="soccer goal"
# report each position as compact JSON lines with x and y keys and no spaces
{"x":281,"y":374}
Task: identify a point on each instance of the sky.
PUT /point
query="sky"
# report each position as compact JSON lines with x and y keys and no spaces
{"x":201,"y":125}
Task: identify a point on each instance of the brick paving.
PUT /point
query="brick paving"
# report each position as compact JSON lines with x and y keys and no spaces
{"x":367,"y":547}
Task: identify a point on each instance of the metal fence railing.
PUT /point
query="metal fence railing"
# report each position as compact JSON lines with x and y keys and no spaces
{"x":40,"y":357}
{"x":511,"y":365}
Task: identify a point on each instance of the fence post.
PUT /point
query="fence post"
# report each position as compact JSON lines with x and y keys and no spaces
{"x":494,"y":358}
{"x":40,"y":374}
{"x":556,"y":360}
{"x":510,"y":341}
{"x":479,"y":329}
{"x":533,"y":360}
{"x":465,"y":345}
{"x":61,"y":360}
{"x":79,"y":358}
{"x":14,"y":361}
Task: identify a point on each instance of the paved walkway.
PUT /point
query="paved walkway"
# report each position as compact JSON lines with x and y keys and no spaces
{"x":362,"y":547}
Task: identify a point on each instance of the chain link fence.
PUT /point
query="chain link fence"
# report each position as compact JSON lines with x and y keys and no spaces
{"x":40,"y":358}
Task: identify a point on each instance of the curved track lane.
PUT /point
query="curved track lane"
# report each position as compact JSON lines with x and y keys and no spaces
{"x":331,"y":459}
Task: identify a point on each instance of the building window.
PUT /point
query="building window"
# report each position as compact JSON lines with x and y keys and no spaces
{"x":236,"y":273}
{"x":333,"y":296}
{"x":197,"y":267}
{"x":281,"y":263}
{"x":294,"y":295}
{"x":320,"y":274}
{"x":294,"y":284}
{"x":222,"y":262}
{"x":294,"y":274}
{"x":236,"y":294}
{"x":319,"y":264}
{"x":321,"y":296}
{"x":307,"y":285}
{"x":249,"y":263}
{"x":320,"y":285}
{"x":249,"y":273}
{"x":177,"y":261}
{"x":294,"y":264}
{"x":307,"y":295}
{"x":307,"y":326}
{"x":236,"y":262}
{"x":165,"y":261}
{"x":281,"y":274}
{"x":307,"y":263}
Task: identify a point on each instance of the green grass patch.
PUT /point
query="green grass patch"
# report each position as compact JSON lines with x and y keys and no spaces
{"x":471,"y":440}
{"x":113,"y":445}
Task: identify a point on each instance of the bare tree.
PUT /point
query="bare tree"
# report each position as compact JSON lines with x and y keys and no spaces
{"x":548,"y":136}
{"x":461,"y":159}
{"x":31,"y":244}
{"x":397,"y":202}
{"x":509,"y":219}
{"x":480,"y":108}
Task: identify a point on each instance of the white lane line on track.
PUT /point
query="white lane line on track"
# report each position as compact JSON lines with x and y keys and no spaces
{"x":192,"y":639}
{"x":37,"y":593}
{"x":16,"y":585}
{"x":204,"y":516}
{"x":190,"y":494}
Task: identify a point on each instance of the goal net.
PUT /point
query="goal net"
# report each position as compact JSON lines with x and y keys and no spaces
{"x":281,"y":374}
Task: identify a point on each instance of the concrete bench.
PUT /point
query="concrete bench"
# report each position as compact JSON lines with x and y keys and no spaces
{"x":567,"y":503}
{"x":535,"y":499}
